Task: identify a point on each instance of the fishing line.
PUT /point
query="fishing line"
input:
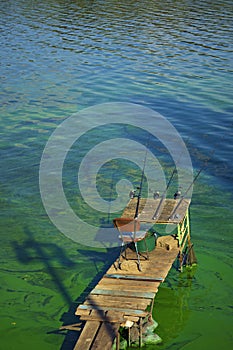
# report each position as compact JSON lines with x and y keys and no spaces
{"x":141,"y":182}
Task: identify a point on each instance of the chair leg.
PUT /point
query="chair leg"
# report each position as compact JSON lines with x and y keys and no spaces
{"x":125,"y":251}
{"x":139,"y":264}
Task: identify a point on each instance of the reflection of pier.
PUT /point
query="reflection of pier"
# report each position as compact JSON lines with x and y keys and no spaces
{"x":125,"y":297}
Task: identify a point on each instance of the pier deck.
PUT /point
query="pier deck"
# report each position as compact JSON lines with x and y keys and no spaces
{"x":123,"y":295}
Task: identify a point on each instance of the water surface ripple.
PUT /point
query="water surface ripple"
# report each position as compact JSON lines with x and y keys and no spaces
{"x":58,"y":57}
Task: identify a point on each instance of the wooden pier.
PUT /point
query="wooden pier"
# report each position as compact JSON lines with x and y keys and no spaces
{"x":124,"y":297}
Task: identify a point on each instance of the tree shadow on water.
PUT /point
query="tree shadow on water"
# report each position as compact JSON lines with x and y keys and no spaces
{"x":46,"y":253}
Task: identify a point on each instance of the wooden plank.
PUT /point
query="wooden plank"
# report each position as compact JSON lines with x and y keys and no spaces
{"x":130,"y":312}
{"x":105,"y":337}
{"x":152,"y":287}
{"x":146,"y":295}
{"x":150,"y":268}
{"x":83,"y":312}
{"x":101,"y":319}
{"x":110,"y":316}
{"x":164,"y":274}
{"x":131,"y":318}
{"x":163,"y":255}
{"x":127,"y":303}
{"x":126,"y":286}
{"x":87,"y":336}
{"x":134,"y":277}
{"x":126,"y":283}
{"x":148,"y":272}
{"x":114,"y":320}
{"x":142,"y":304}
{"x":113,"y":313}
{"x":101,"y":299}
{"x":101,"y":313}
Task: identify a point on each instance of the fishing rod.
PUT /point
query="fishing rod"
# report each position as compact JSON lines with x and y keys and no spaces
{"x":156,"y":195}
{"x":141,"y":182}
{"x":185,"y":193}
{"x":195,"y":178}
{"x":163,"y":195}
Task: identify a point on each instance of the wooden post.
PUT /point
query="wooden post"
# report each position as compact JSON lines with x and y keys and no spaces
{"x":140,"y":332}
{"x":118,"y":340}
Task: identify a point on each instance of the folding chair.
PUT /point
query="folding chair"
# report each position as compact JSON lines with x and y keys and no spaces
{"x":129,"y":230}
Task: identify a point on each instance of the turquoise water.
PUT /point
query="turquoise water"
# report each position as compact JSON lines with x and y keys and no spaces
{"x":59,"y":57}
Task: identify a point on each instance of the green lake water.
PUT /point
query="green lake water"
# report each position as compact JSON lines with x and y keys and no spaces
{"x":60,"y":57}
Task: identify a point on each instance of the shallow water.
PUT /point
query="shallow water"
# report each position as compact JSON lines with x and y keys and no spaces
{"x":58,"y":57}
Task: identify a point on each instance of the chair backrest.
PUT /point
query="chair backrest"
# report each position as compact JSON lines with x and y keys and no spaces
{"x":126,"y":224}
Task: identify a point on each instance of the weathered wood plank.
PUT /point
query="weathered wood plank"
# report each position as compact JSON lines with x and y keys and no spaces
{"x":146,"y":295}
{"x":102,"y":319}
{"x":142,"y":305}
{"x":126,"y":286}
{"x":82,"y":312}
{"x":105,"y":337}
{"x":134,"y":277}
{"x":114,"y":320}
{"x":127,"y":303}
{"x":129,"y":312}
{"x":110,"y":316}
{"x":87,"y":336}
{"x":151,"y":268}
{"x":148,"y":273}
{"x":101,"y":299}
{"x":133,"y":282}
